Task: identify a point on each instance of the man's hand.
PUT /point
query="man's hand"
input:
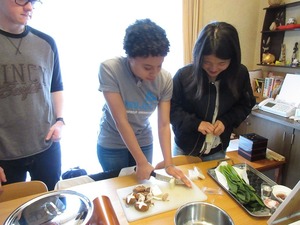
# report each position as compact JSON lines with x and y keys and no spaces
{"x":55,"y":132}
{"x":2,"y":178}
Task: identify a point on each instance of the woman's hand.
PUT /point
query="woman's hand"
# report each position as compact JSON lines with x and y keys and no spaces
{"x":206,"y":128}
{"x":143,"y":171}
{"x":178,"y":174}
{"x":219,"y":128}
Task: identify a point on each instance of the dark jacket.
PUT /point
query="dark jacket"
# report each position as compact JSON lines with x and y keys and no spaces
{"x":187,"y":113}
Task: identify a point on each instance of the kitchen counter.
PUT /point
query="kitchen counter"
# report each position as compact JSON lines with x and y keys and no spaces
{"x":108,"y":187}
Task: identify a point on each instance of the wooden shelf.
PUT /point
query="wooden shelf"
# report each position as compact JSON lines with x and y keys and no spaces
{"x":278,"y":66}
{"x":293,"y":4}
{"x":278,"y":31}
{"x":272,"y":40}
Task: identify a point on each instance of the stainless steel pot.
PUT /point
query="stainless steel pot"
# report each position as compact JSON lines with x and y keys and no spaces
{"x":56,"y":207}
{"x":201,"y":213}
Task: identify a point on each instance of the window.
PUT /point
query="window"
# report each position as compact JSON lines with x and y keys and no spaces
{"x":88,"y":32}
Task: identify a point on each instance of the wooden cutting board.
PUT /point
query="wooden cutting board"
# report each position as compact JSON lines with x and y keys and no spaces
{"x":178,"y":196}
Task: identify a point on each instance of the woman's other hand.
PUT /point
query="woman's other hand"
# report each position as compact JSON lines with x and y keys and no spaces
{"x":219,"y":128}
{"x":178,"y":174}
{"x":206,"y":128}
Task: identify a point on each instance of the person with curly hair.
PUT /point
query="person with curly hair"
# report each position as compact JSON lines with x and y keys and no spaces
{"x":133,"y":87}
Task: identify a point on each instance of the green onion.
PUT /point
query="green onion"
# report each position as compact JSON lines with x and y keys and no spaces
{"x":242,"y":191}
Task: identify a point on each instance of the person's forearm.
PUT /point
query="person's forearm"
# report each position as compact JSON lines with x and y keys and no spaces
{"x":131,"y":142}
{"x":164,"y":134}
{"x":2,"y":176}
{"x":58,"y":102}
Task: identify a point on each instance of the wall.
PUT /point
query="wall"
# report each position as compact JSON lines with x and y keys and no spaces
{"x":247,"y":16}
{"x":243,"y":15}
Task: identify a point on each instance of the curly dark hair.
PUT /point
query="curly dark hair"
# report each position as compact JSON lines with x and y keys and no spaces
{"x":145,"y":38}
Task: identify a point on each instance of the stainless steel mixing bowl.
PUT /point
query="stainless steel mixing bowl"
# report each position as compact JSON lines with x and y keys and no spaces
{"x":201,"y":213}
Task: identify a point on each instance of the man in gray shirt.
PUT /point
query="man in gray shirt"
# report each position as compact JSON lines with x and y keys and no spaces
{"x":31,"y":98}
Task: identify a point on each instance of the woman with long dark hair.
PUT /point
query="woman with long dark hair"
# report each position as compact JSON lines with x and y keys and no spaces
{"x":212,"y":95}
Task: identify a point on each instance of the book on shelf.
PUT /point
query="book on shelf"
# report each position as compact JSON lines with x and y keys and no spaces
{"x":278,"y":80}
{"x":270,"y":89}
{"x":272,"y":86}
{"x":259,"y":85}
{"x":266,"y":87}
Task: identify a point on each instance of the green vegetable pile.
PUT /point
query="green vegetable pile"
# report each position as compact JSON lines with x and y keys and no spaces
{"x":242,"y":191}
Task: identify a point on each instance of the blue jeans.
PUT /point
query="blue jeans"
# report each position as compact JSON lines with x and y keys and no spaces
{"x":116,"y":159}
{"x":44,"y":166}
{"x":218,"y":155}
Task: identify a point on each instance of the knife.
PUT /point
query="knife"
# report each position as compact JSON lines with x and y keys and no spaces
{"x":165,"y":178}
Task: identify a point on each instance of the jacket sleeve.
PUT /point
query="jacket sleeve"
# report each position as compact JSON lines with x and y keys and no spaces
{"x":242,"y":108}
{"x":183,"y":118}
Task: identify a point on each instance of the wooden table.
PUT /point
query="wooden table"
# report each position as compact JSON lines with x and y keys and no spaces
{"x":261,"y":165}
{"x":108,"y":187}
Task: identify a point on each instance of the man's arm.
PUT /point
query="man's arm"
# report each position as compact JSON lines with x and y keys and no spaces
{"x":2,"y":177}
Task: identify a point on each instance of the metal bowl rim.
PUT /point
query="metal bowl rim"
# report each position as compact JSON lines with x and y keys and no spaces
{"x":202,"y":203}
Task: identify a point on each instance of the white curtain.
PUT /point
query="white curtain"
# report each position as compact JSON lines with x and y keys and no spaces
{"x":192,"y":24}
{"x":88,"y":32}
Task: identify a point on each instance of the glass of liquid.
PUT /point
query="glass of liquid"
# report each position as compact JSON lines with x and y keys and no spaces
{"x":266,"y":190}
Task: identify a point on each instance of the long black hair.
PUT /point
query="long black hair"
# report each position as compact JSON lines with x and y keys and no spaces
{"x":222,"y":40}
